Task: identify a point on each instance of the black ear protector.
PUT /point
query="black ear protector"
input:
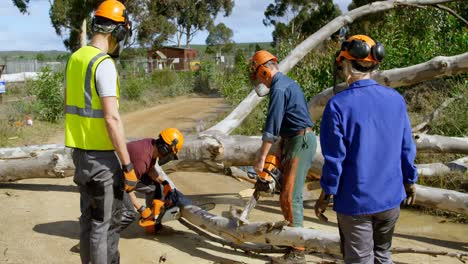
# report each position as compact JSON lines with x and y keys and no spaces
{"x":165,"y":149}
{"x":360,"y":49}
{"x":122,"y":30}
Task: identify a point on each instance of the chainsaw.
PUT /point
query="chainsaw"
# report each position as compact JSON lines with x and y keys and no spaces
{"x":161,"y":211}
{"x":168,"y":210}
{"x":267,"y":184}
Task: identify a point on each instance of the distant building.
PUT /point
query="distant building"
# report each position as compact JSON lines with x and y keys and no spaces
{"x":172,"y":58}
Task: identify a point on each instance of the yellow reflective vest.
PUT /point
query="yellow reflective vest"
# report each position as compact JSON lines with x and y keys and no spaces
{"x":85,"y":127}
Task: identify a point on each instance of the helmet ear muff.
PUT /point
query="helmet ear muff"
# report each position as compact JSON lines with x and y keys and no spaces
{"x":163,"y":148}
{"x":378,"y":51}
{"x":119,"y":33}
{"x":121,"y":30}
{"x":358,"y":49}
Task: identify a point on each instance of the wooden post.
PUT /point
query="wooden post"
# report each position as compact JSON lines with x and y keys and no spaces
{"x":2,"y":83}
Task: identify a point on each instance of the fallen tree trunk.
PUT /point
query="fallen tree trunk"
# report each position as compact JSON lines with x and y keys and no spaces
{"x":437,"y":67}
{"x":235,"y":118}
{"x":434,"y":169}
{"x":271,"y":233}
{"x":54,"y":161}
{"x":441,"y":144}
{"x":46,"y":161}
{"x":442,"y":199}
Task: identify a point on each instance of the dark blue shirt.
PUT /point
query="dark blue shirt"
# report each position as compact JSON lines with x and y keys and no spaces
{"x":369,"y":152}
{"x":288,"y":111}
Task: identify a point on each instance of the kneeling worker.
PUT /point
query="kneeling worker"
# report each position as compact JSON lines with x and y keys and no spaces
{"x":144,"y":178}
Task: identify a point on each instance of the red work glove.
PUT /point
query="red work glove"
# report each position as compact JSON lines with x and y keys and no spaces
{"x":321,"y":205}
{"x":130,"y":177}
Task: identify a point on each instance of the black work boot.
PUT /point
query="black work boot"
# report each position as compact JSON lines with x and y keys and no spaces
{"x":294,"y":256}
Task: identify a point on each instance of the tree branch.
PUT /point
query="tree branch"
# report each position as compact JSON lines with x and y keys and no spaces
{"x":434,"y":253}
{"x":451,"y":11}
{"x":434,"y":169}
{"x":434,"y":114}
{"x":435,"y":68}
{"x":441,"y":144}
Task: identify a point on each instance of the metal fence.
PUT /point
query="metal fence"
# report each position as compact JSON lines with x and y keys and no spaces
{"x":135,"y":65}
{"x":18,"y":66}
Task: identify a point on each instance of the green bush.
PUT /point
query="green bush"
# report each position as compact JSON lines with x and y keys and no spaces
{"x":453,"y":121}
{"x":133,"y":88}
{"x":48,"y":91}
{"x":162,"y":78}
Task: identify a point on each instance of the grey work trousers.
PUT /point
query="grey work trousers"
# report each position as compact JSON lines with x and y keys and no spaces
{"x":367,"y":239}
{"x":99,"y":177}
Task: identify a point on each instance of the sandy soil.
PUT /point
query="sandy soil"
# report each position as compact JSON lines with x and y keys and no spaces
{"x":39,"y":217}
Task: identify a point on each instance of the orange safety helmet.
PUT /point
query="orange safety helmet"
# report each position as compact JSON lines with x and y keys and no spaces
{"x":257,"y":69}
{"x":113,"y":10}
{"x":361,"y":48}
{"x":173,"y":138}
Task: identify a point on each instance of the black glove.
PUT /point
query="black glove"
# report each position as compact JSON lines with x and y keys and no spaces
{"x":321,"y":205}
{"x":410,"y":190}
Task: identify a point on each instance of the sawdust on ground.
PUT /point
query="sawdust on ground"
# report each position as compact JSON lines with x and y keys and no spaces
{"x":39,"y":217}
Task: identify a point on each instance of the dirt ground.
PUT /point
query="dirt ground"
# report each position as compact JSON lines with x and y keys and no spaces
{"x":39,"y":217}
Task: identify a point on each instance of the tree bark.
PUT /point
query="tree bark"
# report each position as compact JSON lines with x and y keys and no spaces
{"x":437,"y":67}
{"x":271,"y":233}
{"x":441,"y":144}
{"x":47,"y":161}
{"x":434,"y":169}
{"x":442,"y":199}
{"x":233,"y":120}
{"x":83,"y":34}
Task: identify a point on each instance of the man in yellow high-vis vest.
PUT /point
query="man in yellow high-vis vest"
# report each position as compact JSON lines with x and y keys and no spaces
{"x":94,"y":130}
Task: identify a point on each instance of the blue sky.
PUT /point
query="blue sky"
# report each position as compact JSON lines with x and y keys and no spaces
{"x":35,"y":31}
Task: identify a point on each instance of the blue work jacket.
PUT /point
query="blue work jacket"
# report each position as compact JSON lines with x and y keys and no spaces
{"x":366,"y":140}
{"x":287,"y":111}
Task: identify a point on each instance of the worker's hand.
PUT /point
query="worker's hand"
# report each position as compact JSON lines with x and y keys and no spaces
{"x":167,"y":188}
{"x":130,"y":177}
{"x":321,"y":205}
{"x":410,"y":194}
{"x":259,"y":164}
{"x":145,"y":213}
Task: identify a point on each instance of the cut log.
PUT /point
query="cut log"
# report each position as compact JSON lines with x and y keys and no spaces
{"x":47,"y":161}
{"x":434,"y":169}
{"x":271,"y":233}
{"x":437,"y":67}
{"x":442,"y":199}
{"x":441,"y":144}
